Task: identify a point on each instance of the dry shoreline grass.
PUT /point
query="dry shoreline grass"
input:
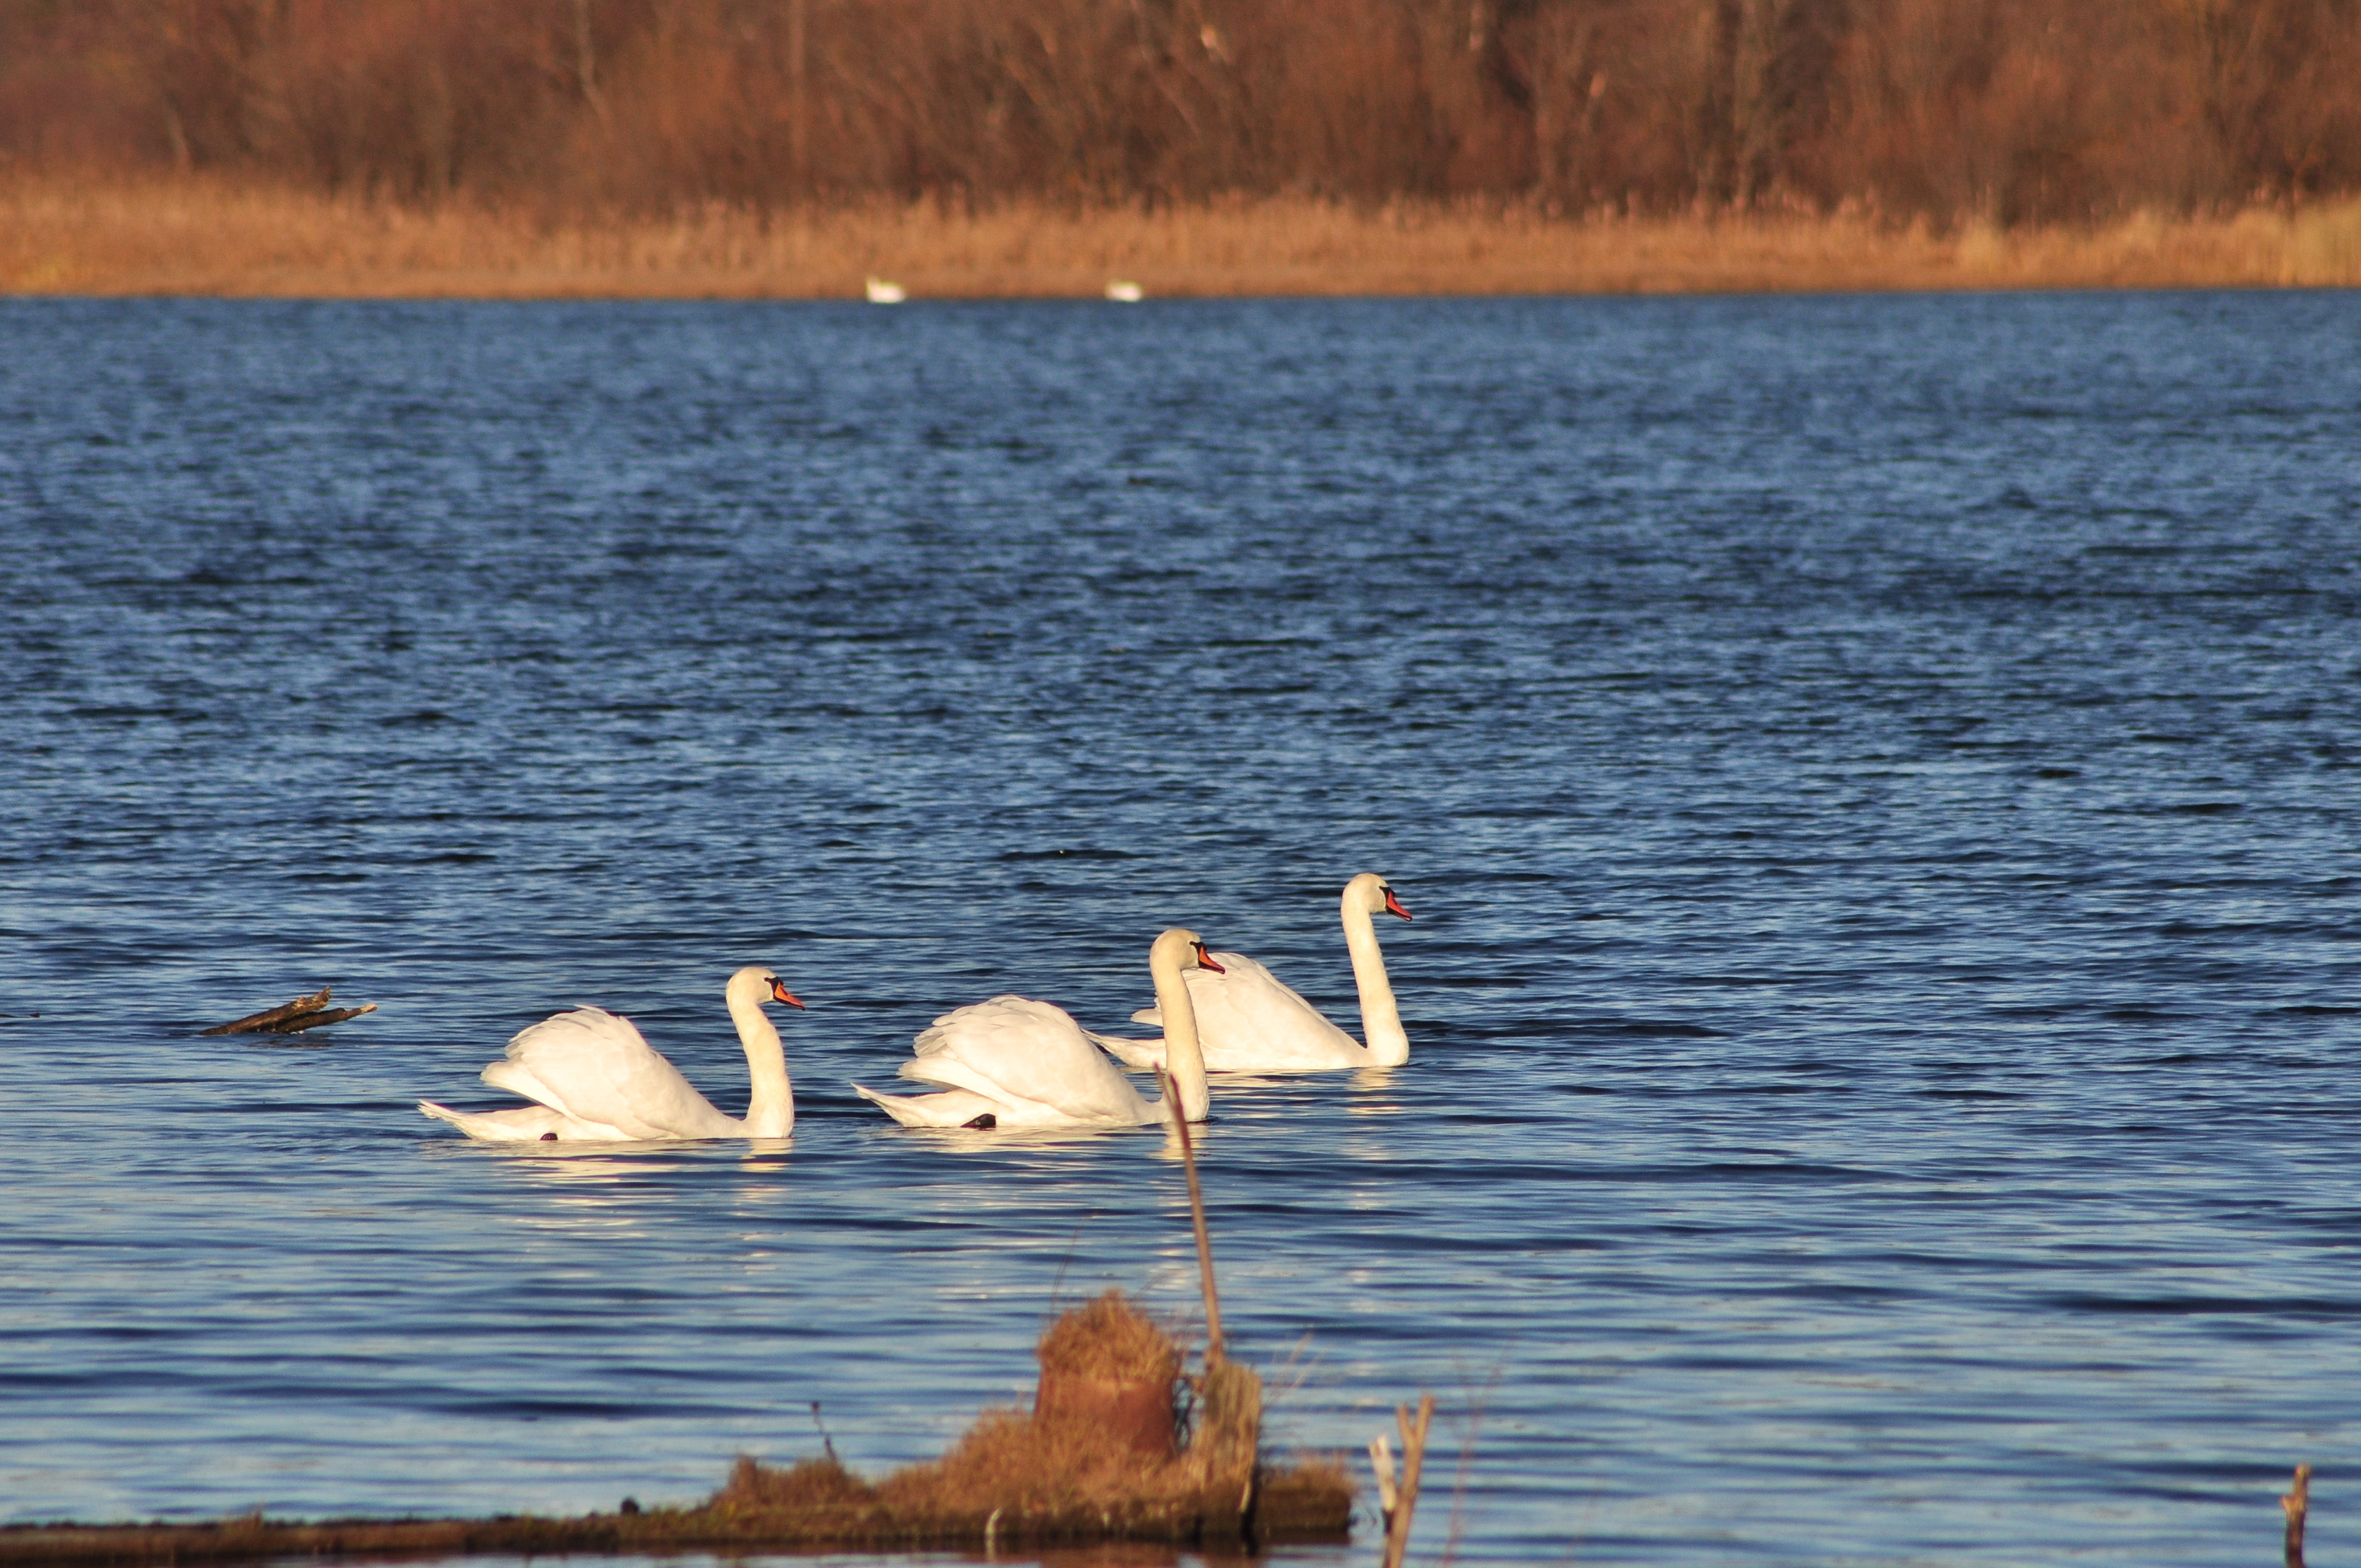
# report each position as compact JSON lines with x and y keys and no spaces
{"x":192,"y":237}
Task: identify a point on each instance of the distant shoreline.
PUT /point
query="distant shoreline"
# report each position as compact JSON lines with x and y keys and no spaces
{"x":195,"y":238}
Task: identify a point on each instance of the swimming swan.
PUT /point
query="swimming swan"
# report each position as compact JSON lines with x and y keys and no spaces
{"x":1014,"y":1063}
{"x":1247,"y":1021}
{"x":594,"y":1080}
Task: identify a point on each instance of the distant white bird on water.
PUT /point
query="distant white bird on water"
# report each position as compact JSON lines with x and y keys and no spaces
{"x":1248,"y":1020}
{"x":1015,"y":1062}
{"x":882,"y":292}
{"x":592,"y":1079}
{"x":1124,"y":293}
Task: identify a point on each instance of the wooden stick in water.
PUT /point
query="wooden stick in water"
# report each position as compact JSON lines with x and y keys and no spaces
{"x":263,"y":1020}
{"x":1213,"y":1352}
{"x":2296,"y":1502}
{"x":1227,"y":1443}
{"x":320,"y":1020}
{"x":1414,"y":1436}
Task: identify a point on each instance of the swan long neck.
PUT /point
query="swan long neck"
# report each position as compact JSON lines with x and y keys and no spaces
{"x":1381,"y":1028}
{"x":1184,"y":1058}
{"x":771,"y":1113}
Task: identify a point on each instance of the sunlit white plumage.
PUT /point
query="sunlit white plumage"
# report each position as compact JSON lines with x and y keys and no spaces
{"x":593,"y":1079}
{"x":1247,"y":1020}
{"x":1022,"y":1063}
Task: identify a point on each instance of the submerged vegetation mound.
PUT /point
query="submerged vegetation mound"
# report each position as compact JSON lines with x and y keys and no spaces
{"x":1096,"y":1458}
{"x":1061,"y":1473}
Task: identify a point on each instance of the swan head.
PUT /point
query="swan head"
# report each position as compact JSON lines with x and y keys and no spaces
{"x":1184,"y":950}
{"x":1374,"y":893}
{"x":757,"y":985}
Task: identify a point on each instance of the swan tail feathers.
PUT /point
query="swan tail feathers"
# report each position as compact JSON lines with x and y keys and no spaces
{"x":527,"y":1124}
{"x":901,"y":1107}
{"x":1138,"y":1055}
{"x":955,"y":1109}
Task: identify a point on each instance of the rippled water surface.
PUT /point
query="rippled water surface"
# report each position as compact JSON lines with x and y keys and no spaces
{"x":1876,"y":780}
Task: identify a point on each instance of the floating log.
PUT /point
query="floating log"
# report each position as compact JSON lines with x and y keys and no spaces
{"x":264,"y":1019}
{"x":291,"y":1018}
{"x":326,"y":1015}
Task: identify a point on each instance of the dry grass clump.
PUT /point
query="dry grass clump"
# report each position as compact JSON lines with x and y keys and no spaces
{"x":1110,"y":1339}
{"x":206,"y":237}
{"x":1040,"y":1473}
{"x":814,"y":1484}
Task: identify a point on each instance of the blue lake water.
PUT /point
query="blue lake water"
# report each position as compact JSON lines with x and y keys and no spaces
{"x":1877,"y":780}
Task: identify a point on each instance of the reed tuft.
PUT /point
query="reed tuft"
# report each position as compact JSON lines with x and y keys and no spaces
{"x":1109,"y":1337}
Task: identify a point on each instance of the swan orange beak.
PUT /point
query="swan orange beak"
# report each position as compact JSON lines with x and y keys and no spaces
{"x":779,"y":993}
{"x":1205,"y":960}
{"x":1393,"y":904}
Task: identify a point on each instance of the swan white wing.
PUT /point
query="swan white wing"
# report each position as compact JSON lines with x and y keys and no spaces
{"x":1249,"y":1020}
{"x":595,"y":1067}
{"x":1031,"y":1058}
{"x":1140,"y":1054}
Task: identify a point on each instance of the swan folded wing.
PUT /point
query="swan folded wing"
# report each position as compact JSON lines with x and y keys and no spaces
{"x":1249,"y":1016}
{"x":595,"y":1067}
{"x":1023,"y":1053}
{"x":1136,"y":1054}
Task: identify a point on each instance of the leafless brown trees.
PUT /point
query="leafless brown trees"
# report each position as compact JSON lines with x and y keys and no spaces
{"x":2000,"y":110}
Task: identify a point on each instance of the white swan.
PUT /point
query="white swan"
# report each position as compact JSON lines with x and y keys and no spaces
{"x":594,"y":1080}
{"x":1247,"y":1021}
{"x":1014,"y":1063}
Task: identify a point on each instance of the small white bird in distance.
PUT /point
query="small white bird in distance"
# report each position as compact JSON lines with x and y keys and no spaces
{"x":881,"y":292}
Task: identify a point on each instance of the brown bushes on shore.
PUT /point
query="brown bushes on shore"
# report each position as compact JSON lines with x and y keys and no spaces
{"x":1997,"y":112}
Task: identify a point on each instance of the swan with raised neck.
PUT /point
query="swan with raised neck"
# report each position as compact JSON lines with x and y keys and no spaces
{"x":1381,"y":1028}
{"x":594,"y":1079}
{"x":771,"y":1108}
{"x":1247,"y":1020}
{"x":1015,"y":1062}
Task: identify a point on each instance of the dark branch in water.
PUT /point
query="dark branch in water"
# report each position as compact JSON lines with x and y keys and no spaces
{"x":285,"y":1010}
{"x":291,"y":1018}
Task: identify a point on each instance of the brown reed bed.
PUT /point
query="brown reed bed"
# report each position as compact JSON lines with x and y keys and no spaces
{"x":1061,"y":1474}
{"x":199,"y":237}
